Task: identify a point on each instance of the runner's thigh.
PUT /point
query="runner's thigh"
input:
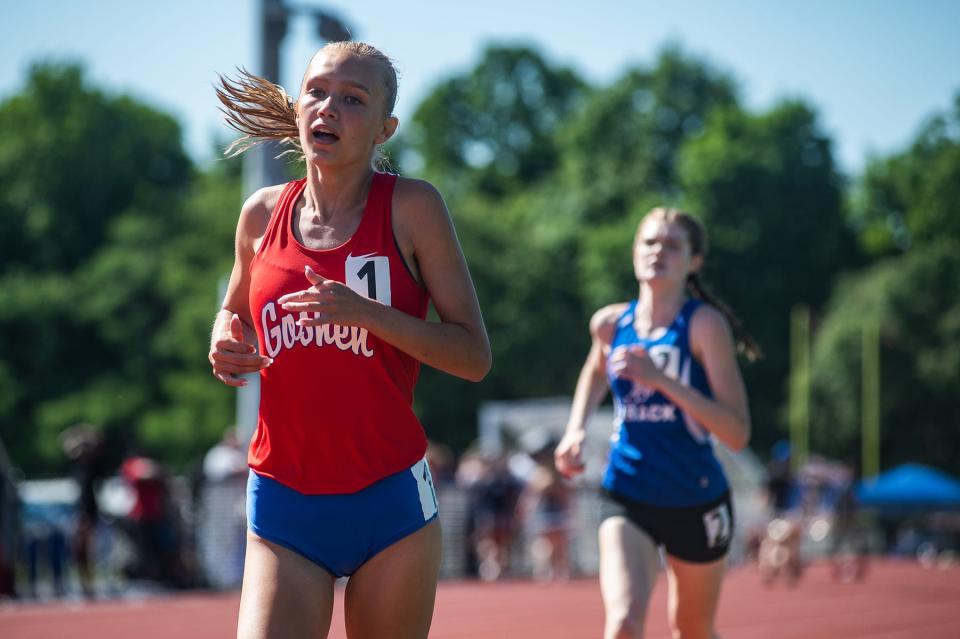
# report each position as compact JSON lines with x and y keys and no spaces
{"x":392,"y":594}
{"x":284,"y":596}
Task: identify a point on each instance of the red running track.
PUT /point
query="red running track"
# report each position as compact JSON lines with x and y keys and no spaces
{"x":896,"y":601}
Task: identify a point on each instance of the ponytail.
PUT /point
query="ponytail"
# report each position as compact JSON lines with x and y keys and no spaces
{"x":745,"y":342}
{"x":260,"y":110}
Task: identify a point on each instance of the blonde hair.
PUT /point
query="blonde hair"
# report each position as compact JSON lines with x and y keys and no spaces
{"x":697,"y":237}
{"x":261,"y":110}
{"x":369,"y":52}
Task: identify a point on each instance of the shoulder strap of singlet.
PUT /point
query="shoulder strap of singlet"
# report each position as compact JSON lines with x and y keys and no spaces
{"x":379,"y":203}
{"x":279,"y":225}
{"x":686,"y":312}
{"x":627,"y":312}
{"x":624,"y":319}
{"x":684,"y":317}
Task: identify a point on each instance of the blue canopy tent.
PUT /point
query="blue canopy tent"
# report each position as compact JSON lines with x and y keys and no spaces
{"x":910,"y":487}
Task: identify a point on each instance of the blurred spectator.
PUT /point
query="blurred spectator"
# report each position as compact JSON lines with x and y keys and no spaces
{"x":84,"y":447}
{"x":9,"y":526}
{"x":223,"y":521}
{"x":778,"y":551}
{"x":226,"y":460}
{"x":152,"y":525}
{"x":545,"y":504}
{"x":45,"y":544}
{"x":907,"y":538}
{"x":471,"y":468}
{"x":442,"y":464}
{"x":780,"y":482}
{"x":848,"y":546}
{"x":493,"y":493}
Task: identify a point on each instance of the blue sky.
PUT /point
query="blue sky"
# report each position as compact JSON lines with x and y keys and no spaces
{"x":874,"y":70}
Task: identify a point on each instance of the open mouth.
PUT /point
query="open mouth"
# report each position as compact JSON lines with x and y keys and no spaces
{"x":326,"y":137}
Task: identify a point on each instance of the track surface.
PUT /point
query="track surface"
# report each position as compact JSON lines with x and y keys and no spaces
{"x":896,"y":601}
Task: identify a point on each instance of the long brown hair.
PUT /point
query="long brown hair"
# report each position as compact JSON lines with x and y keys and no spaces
{"x":263,"y":111}
{"x":697,"y":236}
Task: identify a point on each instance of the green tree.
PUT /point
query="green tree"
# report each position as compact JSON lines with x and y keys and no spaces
{"x":621,"y":158}
{"x":488,"y":139}
{"x":913,"y":198}
{"x":107,"y":271}
{"x":492,"y":130}
{"x":620,"y":149}
{"x":71,"y":159}
{"x":770,"y":195}
{"x":906,"y":207}
{"x":915,"y":298}
{"x":522,"y":261}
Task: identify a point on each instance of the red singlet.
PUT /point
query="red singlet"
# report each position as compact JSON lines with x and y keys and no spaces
{"x":336,"y":404}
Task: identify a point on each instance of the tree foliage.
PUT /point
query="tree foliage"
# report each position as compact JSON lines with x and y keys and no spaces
{"x":770,"y":196}
{"x":620,"y":149}
{"x":911,"y":197}
{"x":906,"y":208}
{"x":915,"y":299}
{"x":108,"y":278}
{"x":67,"y":147}
{"x":493,"y":130}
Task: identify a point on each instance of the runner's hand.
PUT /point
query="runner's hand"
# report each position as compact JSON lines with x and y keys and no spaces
{"x":232,"y":356}
{"x":336,"y":303}
{"x":568,"y":456}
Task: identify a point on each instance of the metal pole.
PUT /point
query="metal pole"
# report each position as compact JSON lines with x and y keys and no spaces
{"x":260,"y":169}
{"x":870,"y":389}
{"x":799,"y":402}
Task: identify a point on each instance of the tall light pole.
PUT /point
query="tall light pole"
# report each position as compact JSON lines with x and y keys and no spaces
{"x":260,"y":165}
{"x":870,"y":398}
{"x":261,"y":168}
{"x":799,"y":397}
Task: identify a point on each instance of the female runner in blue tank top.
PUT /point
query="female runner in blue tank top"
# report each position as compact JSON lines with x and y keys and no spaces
{"x":669,"y":359}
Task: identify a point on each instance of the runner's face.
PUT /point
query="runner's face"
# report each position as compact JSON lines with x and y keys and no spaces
{"x":661,"y":253}
{"x":340,"y":112}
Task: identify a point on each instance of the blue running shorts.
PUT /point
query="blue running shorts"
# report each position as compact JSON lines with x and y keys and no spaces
{"x":340,"y":533}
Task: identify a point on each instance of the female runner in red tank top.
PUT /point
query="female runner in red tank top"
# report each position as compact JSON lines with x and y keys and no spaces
{"x":327,"y":300}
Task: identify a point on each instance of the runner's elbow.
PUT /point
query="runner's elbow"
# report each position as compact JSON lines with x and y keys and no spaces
{"x":479,"y":365}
